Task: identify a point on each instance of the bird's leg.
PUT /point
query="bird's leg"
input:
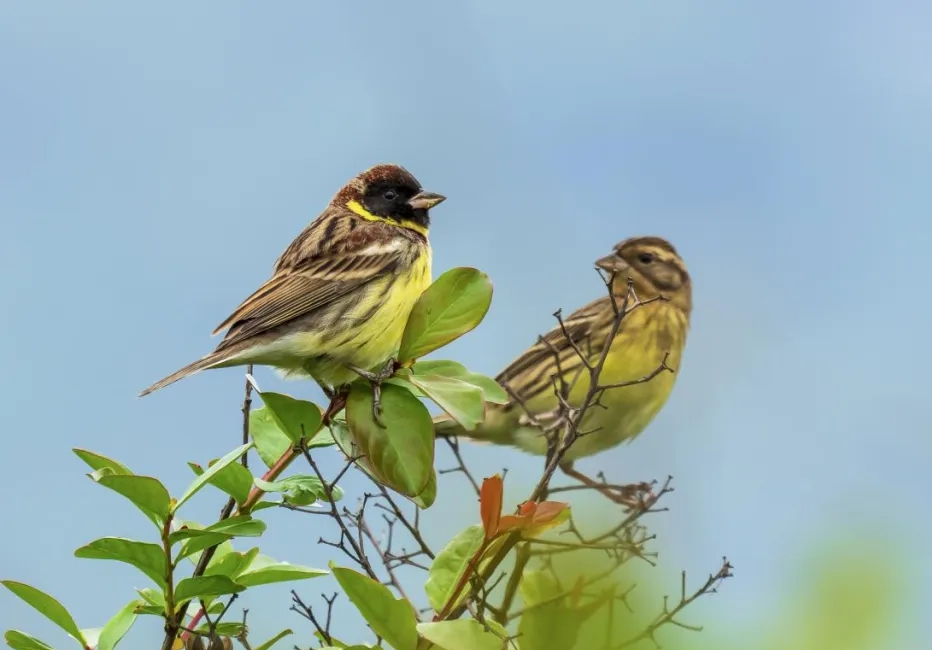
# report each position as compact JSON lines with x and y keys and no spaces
{"x":630,"y":496}
{"x":329,"y":392}
{"x":376,"y":379}
{"x":337,"y":403}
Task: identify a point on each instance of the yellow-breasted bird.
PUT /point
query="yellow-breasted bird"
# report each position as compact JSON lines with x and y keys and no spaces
{"x":341,"y":293}
{"x":648,"y":334}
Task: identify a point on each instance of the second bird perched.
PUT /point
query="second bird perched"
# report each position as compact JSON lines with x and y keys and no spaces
{"x":341,"y":293}
{"x":648,"y":334}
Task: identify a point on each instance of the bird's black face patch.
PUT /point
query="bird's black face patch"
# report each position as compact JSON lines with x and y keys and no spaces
{"x":388,"y":199}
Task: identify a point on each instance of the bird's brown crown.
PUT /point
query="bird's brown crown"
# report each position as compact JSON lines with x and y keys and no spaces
{"x":384,"y":193}
{"x":654,"y":266}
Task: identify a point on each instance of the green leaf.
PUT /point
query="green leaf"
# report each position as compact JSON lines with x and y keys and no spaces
{"x":391,"y":618}
{"x":454,"y":304}
{"x":146,"y":493}
{"x":275,"y":639}
{"x":148,"y":558}
{"x":96,"y":461}
{"x":264,"y":570}
{"x":205,"y":586}
{"x":232,"y":564}
{"x":213,"y":470}
{"x":271,"y":442}
{"x":464,"y":634}
{"x":428,"y":495}
{"x":548,"y":621}
{"x":300,"y":490}
{"x":350,"y":449}
{"x":402,"y":453}
{"x":201,"y":538}
{"x":238,"y":526}
{"x":22,"y":641}
{"x":231,"y":629}
{"x":464,"y":402}
{"x":298,"y":419}
{"x":450,"y":564}
{"x":153,"y":597}
{"x":491,"y":389}
{"x":47,"y":606}
{"x":118,"y":626}
{"x":234,"y":479}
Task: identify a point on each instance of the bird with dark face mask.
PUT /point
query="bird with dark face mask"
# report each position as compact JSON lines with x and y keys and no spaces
{"x":340,"y":295}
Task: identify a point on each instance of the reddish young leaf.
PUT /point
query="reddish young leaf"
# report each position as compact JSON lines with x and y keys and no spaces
{"x":519,"y":521}
{"x":547,"y":512}
{"x":490,"y":504}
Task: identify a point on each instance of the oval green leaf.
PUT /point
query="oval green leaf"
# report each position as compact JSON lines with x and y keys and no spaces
{"x":491,"y":389}
{"x":454,"y":304}
{"x":22,"y":641}
{"x":463,"y":402}
{"x":118,"y":626}
{"x":301,"y":489}
{"x":402,"y":453}
{"x":297,"y":418}
{"x":146,"y":493}
{"x":96,"y":461}
{"x":232,"y":563}
{"x":205,"y":587}
{"x":212,"y":471}
{"x":234,"y":479}
{"x":271,"y":441}
{"x":264,"y":570}
{"x":391,"y":618}
{"x":466,"y":634}
{"x":148,"y":558}
{"x":450,"y":564}
{"x":47,"y":606}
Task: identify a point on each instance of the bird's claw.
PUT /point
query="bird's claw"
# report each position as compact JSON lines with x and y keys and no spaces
{"x":376,"y":379}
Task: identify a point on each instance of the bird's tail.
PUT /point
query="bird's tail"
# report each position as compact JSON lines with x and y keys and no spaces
{"x":447,"y":427}
{"x":210,"y":361}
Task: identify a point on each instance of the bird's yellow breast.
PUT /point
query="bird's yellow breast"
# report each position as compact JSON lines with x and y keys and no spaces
{"x":365,"y":331}
{"x":638,"y":350}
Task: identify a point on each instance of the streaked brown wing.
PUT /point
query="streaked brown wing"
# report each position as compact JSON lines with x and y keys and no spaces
{"x":530,"y":373}
{"x":313,"y":281}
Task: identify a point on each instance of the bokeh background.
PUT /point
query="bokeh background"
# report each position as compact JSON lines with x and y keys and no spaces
{"x":154,"y":160}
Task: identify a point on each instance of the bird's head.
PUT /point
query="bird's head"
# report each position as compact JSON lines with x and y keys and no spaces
{"x":391,"y":194}
{"x":653,"y":265}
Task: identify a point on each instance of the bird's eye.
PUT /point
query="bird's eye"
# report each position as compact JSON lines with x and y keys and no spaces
{"x":390,"y":195}
{"x":646,"y":258}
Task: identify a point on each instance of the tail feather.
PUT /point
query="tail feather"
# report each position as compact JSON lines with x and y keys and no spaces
{"x":203,"y":363}
{"x":447,"y":427}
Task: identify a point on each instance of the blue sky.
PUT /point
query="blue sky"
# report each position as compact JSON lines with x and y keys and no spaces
{"x":156,"y":159}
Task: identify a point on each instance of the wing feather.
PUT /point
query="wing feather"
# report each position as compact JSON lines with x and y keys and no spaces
{"x":530,"y":373}
{"x":315,"y":274}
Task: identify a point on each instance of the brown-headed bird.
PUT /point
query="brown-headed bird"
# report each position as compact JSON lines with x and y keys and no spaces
{"x":341,"y":293}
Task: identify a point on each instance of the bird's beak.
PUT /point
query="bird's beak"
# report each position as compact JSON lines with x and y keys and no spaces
{"x":425,"y":200}
{"x":612,"y":263}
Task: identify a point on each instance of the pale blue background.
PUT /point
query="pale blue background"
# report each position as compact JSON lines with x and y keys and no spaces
{"x":155,"y":160}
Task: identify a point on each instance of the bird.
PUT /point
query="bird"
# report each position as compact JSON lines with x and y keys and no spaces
{"x":340,"y":295}
{"x":649,"y":341}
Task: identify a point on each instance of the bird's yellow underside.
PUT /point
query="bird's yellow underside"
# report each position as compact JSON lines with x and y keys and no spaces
{"x":298,"y":354}
{"x":636,"y":353}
